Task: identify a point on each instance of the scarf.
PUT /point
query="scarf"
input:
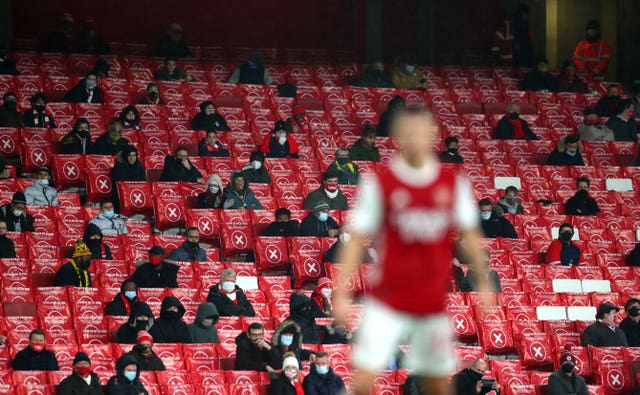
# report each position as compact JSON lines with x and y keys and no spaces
{"x":212,"y":148}
{"x":126,"y":303}
{"x":298,"y":385}
{"x":41,"y":119}
{"x":82,"y":274}
{"x":518,"y":132}
{"x":210,"y":198}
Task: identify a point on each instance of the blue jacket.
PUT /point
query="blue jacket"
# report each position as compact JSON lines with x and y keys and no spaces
{"x":327,"y":384}
{"x":186,"y":254}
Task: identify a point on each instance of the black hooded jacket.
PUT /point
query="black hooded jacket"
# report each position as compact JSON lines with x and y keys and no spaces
{"x":198,"y":332}
{"x":99,"y":250}
{"x":250,"y":357}
{"x":206,"y":122}
{"x":123,"y":171}
{"x":153,"y":362}
{"x":7,"y":247}
{"x":128,"y":332}
{"x":120,"y":385}
{"x":169,"y":326}
{"x":498,"y":226}
{"x":302,"y":313}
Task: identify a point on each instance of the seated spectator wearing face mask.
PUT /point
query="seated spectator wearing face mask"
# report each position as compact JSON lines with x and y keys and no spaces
{"x":321,"y":297}
{"x":581,"y":203}
{"x":404,"y":74}
{"x":365,"y":147}
{"x":211,"y":146}
{"x":604,"y":332}
{"x":213,"y":196}
{"x":203,"y":329}
{"x":539,"y":80}
{"x":41,"y":192}
{"x":348,"y":173}
{"x":624,"y":124}
{"x":112,"y":142}
{"x":170,"y":328}
{"x":565,"y":381}
{"x":253,"y":352}
{"x":229,"y":298}
{"x":567,"y":81}
{"x":336,"y":333}
{"x":252,"y":71}
{"x":608,"y":104}
{"x":93,"y":239}
{"x":512,"y":127}
{"x":130,"y":118}
{"x":178,"y":167}
{"x":108,"y":221}
{"x":140,"y":319}
{"x":374,"y":76}
{"x":190,"y":250}
{"x":15,"y":216}
{"x":321,"y":379}
{"x":35,"y":356}
{"x":567,"y":153}
{"x":287,"y":338}
{"x":127,"y":378}
{"x":7,"y":247}
{"x":510,"y":202}
{"x":493,"y":222}
{"x":37,"y":116}
{"x":592,"y":130}
{"x":302,"y":311}
{"x":144,"y":355}
{"x":631,"y":323}
{"x":255,"y":172}
{"x":318,"y":223}
{"x":209,"y":119}
{"x":152,"y":95}
{"x":562,"y":251}
{"x":289,"y":381}
{"x":78,"y":140}
{"x":298,"y":121}
{"x":329,"y":192}
{"x":469,"y":380}
{"x":127,"y":167}
{"x":81,"y":380}
{"x":75,"y":273}
{"x":10,"y":117}
{"x":451,"y":155}
{"x":122,"y":302}
{"x":157,"y":272}
{"x":283,"y":225}
{"x":280,"y":144}
{"x":86,"y":91}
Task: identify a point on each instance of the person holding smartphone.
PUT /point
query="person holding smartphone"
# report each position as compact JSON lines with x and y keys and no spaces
{"x":470,"y":381}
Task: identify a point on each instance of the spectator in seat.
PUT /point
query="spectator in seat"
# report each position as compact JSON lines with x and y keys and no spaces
{"x":127,"y":167}
{"x":469,"y":380}
{"x":364,"y":148}
{"x":283,"y":225}
{"x":319,"y":223}
{"x":93,"y":239}
{"x":287,"y":338}
{"x":124,"y":300}
{"x":302,"y":312}
{"x":336,"y":333}
{"x":635,"y":97}
{"x":237,"y":194}
{"x":140,"y":319}
{"x":512,"y":127}
{"x":170,"y":328}
{"x":255,"y":172}
{"x":35,"y":356}
{"x":592,"y":54}
{"x":298,"y":121}
{"x":209,"y":118}
{"x":540,"y":79}
{"x":78,"y":140}
{"x":203,"y":329}
{"x":7,"y":247}
{"x":37,"y":116}
{"x":513,"y":41}
{"x":213,"y":196}
{"x":144,"y":355}
{"x":404,"y":74}
{"x":608,"y":105}
{"x":126,"y":379}
{"x":190,"y":250}
{"x":604,"y":332}
{"x":592,"y":130}
{"x":111,"y":142}
{"x":630,"y":325}
{"x":252,"y":71}
{"x":565,"y":381}
{"x":567,"y":153}
{"x":562,"y":251}
{"x":152,"y":95}
{"x":493,"y":222}
{"x":624,"y":125}
{"x":108,"y":221}
{"x":88,"y":42}
{"x":331,"y":255}
{"x":169,"y":72}
{"x":581,"y":203}
{"x":86,"y":91}
{"x":179,"y":168}
{"x":348,"y":173}
{"x":130,"y":118}
{"x":321,"y":298}
{"x":633,"y":259}
{"x":394,"y":105}
{"x":374,"y":76}
{"x":172,"y":44}
{"x":101,"y":68}
{"x":5,"y":172}
{"x":280,"y":144}
{"x":211,"y":146}
{"x":451,"y":155}
{"x":7,"y":66}
{"x":229,"y":298}
{"x":15,"y":216}
{"x":510,"y":203}
{"x":10,"y":117}
{"x":81,"y":380}
{"x":41,"y":192}
{"x":157,"y":272}
{"x":288,"y":381}
{"x":328,"y":192}
{"x":253,"y":352}
{"x":321,"y":379}
{"x":567,"y":81}
{"x":470,"y":284}
{"x":75,"y":273}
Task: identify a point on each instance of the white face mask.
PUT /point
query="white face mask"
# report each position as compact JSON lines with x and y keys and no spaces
{"x":485,"y":215}
{"x":91,"y":84}
{"x":256,"y":164}
{"x":18,"y":213}
{"x":228,"y":286}
{"x":214,"y":189}
{"x":327,"y":292}
{"x":282,"y":139}
{"x":43,"y":182}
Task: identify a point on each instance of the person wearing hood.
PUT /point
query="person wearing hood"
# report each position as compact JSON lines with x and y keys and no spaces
{"x":35,"y":356}
{"x":173,"y":44}
{"x":404,"y":74}
{"x":7,"y":246}
{"x":253,"y":352}
{"x":255,"y":172}
{"x":631,"y":323}
{"x":86,"y":91}
{"x":108,"y":221}
{"x":130,"y":118}
{"x":190,"y":250}
{"x":237,"y":194}
{"x":124,"y":300}
{"x":170,"y":328}
{"x":364,"y":148}
{"x":469,"y":380}
{"x":540,"y":79}
{"x":289,"y":381}
{"x":15,"y":216}
{"x":203,"y":329}
{"x":303,"y":312}
{"x":127,"y":167}
{"x":157,"y":272}
{"x":374,"y":76}
{"x":562,"y":251}
{"x":510,"y":203}
{"x":209,"y":119}
{"x":179,"y":168}
{"x":93,"y":239}
{"x":568,"y":81}
{"x":565,"y":381}
{"x":451,"y":154}
{"x":384,"y":125}
{"x":593,"y":53}
{"x":298,"y":121}
{"x":229,"y":298}
{"x":592,"y":130}
{"x":604,"y":332}
{"x":348,"y":173}
{"x":329,"y":192}
{"x":512,"y":127}
{"x":280,"y":144}
{"x":127,"y":378}
{"x":78,"y":140}
{"x":112,"y":142}
{"x":318,"y":223}
{"x":41,"y":192}
{"x":321,"y":379}
{"x":75,"y":273}
{"x":211,"y":146}
{"x":581,"y":203}
{"x":37,"y":116}
{"x":82,"y":381}
{"x":283,"y":226}
{"x":152,"y":95}
{"x":567,"y":153}
{"x":336,"y":333}
{"x":287,"y":338}
{"x":144,"y":355}
{"x":321,"y":298}
{"x":493,"y":222}
{"x":140,"y":319}
{"x":252,"y":71}
{"x":10,"y":117}
{"x":213,"y":196}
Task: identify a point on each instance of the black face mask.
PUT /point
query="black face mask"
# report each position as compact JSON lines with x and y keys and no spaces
{"x":193,"y":245}
{"x":153,"y":96}
{"x":475,"y":376}
{"x":514,"y":115}
{"x":141,"y":324}
{"x":633,"y":312}
{"x":39,"y":107}
{"x":83,"y":133}
{"x":93,"y":243}
{"x":567,"y":368}
{"x":172,"y":315}
{"x":566,"y":236}
{"x":582,"y":193}
{"x":452,"y":151}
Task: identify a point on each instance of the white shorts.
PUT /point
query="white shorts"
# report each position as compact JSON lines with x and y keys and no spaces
{"x":383,"y":329}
